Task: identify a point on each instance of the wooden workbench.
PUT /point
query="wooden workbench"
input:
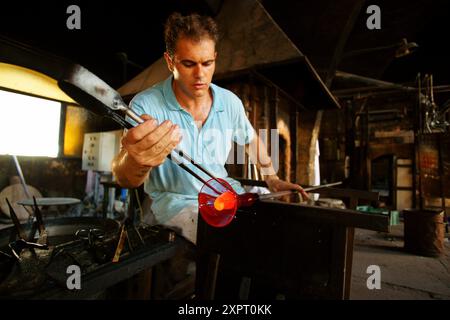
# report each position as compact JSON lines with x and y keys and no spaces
{"x":278,"y":250}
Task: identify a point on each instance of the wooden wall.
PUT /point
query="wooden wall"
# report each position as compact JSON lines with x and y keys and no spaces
{"x":267,"y":108}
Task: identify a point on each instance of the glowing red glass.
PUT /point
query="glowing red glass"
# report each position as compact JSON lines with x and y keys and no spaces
{"x":218,"y":210}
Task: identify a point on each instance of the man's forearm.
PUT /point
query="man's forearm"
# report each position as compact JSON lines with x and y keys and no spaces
{"x":127,"y":172}
{"x":258,"y":154}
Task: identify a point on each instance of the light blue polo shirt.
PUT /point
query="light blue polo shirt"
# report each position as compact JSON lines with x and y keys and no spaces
{"x":171,"y":187}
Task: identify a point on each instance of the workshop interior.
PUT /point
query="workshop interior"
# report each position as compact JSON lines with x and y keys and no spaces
{"x":357,"y":92}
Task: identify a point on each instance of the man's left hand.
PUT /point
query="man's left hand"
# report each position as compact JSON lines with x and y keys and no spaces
{"x":276,"y":185}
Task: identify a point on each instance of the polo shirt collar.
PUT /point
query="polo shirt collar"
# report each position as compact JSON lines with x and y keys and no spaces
{"x":173,"y":104}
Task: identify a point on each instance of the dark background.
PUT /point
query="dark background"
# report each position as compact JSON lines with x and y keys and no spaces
{"x":109,"y":29}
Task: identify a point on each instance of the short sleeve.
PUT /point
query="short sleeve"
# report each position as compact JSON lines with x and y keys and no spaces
{"x":243,"y":131}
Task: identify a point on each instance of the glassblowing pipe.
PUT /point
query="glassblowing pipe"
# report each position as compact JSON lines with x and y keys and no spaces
{"x":181,"y":153}
{"x":227,"y":200}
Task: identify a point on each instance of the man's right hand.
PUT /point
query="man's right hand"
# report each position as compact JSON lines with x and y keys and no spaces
{"x":143,"y":147}
{"x":148,"y":144}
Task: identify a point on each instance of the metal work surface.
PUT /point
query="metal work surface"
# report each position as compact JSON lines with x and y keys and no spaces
{"x":38,"y":264}
{"x":110,"y":273}
{"x":49,"y":201}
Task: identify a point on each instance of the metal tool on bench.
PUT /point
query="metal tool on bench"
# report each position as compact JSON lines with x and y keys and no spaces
{"x":17,"y":246}
{"x":126,"y":225}
{"x":38,"y":225}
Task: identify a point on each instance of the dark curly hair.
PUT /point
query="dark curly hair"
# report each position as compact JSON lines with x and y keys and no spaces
{"x":193,"y":26}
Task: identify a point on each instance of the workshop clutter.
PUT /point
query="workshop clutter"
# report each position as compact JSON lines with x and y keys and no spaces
{"x":394,"y":218}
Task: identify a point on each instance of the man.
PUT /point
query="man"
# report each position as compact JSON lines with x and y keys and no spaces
{"x":187,"y":105}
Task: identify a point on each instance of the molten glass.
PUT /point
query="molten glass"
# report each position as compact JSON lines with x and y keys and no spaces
{"x":218,"y":202}
{"x":226,"y":200}
{"x":218,"y":210}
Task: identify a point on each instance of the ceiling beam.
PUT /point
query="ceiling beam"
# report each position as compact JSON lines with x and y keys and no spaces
{"x":340,"y":46}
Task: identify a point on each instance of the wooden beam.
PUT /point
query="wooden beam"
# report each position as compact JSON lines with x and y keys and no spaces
{"x":375,"y":83}
{"x":312,"y":147}
{"x":339,"y":49}
{"x":267,"y":81}
{"x":293,"y":129}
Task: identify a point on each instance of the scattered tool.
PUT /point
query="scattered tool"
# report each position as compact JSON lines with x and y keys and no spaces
{"x":20,"y":244}
{"x":38,"y":225}
{"x":120,"y":244}
{"x":128,"y":223}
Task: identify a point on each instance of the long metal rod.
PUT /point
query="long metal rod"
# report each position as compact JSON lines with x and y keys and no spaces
{"x":22,"y":179}
{"x":183,"y":166}
{"x":182,"y":154}
{"x":16,"y":222}
{"x":288,"y":192}
{"x":185,"y":156}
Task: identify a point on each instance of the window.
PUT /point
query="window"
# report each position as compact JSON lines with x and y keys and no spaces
{"x":29,"y":126}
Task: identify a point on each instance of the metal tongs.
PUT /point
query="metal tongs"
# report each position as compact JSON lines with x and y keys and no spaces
{"x":94,"y":94}
{"x":17,"y":246}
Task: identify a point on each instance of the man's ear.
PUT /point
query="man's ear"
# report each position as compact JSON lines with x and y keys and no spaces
{"x":168,"y":61}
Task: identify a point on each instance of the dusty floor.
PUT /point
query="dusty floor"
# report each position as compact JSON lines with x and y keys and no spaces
{"x":404,"y":276}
